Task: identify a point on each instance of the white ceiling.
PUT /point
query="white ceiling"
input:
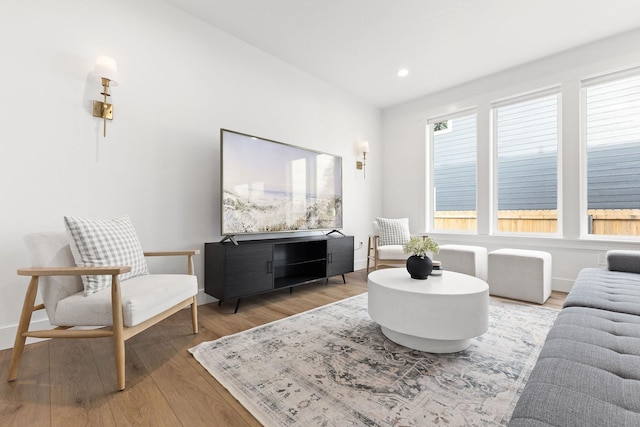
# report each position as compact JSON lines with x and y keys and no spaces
{"x":359,"y":45}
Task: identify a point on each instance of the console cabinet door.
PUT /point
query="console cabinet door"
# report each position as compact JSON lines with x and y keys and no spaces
{"x":249,"y":270}
{"x":339,"y":255}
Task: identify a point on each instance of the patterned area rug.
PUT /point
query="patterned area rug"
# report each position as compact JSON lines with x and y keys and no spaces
{"x":332,"y":366}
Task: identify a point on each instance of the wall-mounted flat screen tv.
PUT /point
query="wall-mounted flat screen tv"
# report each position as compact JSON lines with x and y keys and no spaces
{"x":269,"y":186}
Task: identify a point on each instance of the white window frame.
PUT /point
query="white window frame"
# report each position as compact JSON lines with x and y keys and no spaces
{"x":584,"y":199}
{"x":430,"y":196}
{"x":554,"y":90}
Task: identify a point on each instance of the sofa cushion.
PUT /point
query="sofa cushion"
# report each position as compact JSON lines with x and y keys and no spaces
{"x":601,"y":339}
{"x":626,"y":261}
{"x":552,"y":405}
{"x":606,"y":290}
{"x":142,"y":298}
{"x":393,"y":231}
{"x":587,"y":374}
{"x":100,"y":242}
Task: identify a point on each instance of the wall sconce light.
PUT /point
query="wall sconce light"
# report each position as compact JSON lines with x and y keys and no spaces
{"x":107,"y":71}
{"x":363,"y":148}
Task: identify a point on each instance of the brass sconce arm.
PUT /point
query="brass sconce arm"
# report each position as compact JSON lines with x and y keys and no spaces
{"x":104,"y":109}
{"x":361,"y":165}
{"x":107,"y":71}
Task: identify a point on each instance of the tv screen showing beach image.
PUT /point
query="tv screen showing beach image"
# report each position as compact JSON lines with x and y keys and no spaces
{"x":269,"y":186}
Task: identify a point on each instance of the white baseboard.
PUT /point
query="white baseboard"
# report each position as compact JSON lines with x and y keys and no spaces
{"x":204,"y":298}
{"x":562,"y":285}
{"x":359,"y":264}
{"x":8,"y":333}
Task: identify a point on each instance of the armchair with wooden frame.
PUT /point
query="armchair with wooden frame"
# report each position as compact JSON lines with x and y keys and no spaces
{"x":383,"y":255}
{"x":126,"y":309}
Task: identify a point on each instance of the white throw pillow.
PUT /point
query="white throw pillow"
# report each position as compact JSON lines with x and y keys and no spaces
{"x":99,"y":243}
{"x":393,"y":231}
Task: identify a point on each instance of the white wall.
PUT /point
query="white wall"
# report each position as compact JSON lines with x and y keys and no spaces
{"x":404,"y":136}
{"x":180,"y":82}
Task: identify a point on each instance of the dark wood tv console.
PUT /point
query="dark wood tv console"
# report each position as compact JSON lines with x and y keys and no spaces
{"x":255,"y":266}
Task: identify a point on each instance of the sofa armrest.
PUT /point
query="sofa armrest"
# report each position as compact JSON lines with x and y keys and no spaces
{"x":624,"y":260}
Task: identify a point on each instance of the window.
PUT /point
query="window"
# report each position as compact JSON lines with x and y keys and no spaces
{"x":454,"y":173}
{"x":612,"y":133}
{"x":526,"y":138}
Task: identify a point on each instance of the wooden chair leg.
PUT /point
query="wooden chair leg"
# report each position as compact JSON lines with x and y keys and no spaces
{"x":368,"y":253}
{"x":118,"y":343}
{"x":375,"y":254}
{"x":194,"y":315}
{"x":23,"y":326}
{"x":118,"y":332}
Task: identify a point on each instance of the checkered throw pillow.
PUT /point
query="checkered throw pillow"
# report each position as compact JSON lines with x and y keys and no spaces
{"x":111,"y":242}
{"x":393,"y":231}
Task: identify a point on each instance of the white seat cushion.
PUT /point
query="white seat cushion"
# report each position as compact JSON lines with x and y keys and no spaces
{"x":142,"y":298}
{"x":392,"y":252}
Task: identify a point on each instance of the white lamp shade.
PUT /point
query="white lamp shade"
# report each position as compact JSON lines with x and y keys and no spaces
{"x":107,"y":68}
{"x":364,"y":147}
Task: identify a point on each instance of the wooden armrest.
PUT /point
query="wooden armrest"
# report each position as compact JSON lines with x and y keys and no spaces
{"x":73,"y":271}
{"x":173,"y":253}
{"x":188,"y":253}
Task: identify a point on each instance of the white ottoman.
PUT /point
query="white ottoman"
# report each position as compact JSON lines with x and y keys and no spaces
{"x":471,"y":260}
{"x":520,"y":274}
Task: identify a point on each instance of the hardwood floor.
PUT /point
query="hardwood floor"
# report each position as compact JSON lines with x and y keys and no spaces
{"x":72,"y":382}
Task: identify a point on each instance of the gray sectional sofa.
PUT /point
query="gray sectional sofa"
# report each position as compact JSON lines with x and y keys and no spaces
{"x":588,"y":372}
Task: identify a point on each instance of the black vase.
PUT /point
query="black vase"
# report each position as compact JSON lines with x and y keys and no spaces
{"x":419,"y":267}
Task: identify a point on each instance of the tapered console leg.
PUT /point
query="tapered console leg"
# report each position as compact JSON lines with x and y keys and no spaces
{"x":237,"y":305}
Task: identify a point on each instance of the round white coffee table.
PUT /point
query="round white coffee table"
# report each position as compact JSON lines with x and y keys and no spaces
{"x":438,"y":315}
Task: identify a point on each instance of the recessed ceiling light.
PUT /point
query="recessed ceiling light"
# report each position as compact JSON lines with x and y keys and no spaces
{"x":403,"y":72}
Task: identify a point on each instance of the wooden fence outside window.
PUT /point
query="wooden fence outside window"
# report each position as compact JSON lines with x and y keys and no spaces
{"x":611,"y":222}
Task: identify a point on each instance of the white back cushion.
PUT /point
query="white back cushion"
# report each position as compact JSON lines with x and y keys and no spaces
{"x":51,"y":249}
{"x":375,"y":230}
